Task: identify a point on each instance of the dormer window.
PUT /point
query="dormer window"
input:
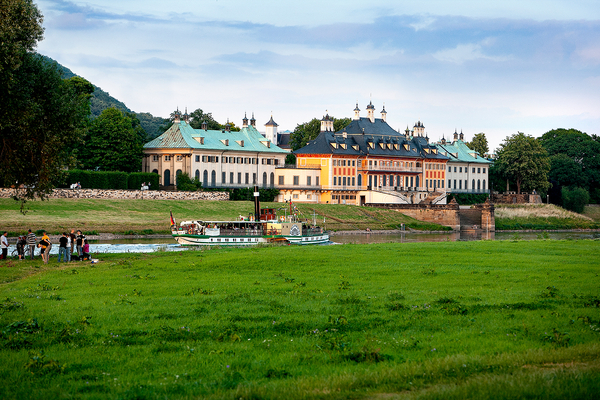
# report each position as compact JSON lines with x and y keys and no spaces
{"x":334,"y":145}
{"x":199,"y":139}
{"x":389,"y":146}
{"x":225,"y":142}
{"x":343,"y":146}
{"x":426,"y":151}
{"x":407,"y":147}
{"x":382,"y":145}
{"x":371,"y":145}
{"x":434,"y":151}
{"x":267,"y":143}
{"x":396,"y":146}
{"x":355,"y":147}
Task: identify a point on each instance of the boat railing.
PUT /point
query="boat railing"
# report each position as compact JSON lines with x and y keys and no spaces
{"x":242,"y":232}
{"x":312,"y":231}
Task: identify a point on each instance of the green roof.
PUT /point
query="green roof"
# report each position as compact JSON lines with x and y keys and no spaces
{"x":183,"y":136}
{"x":459,"y":151}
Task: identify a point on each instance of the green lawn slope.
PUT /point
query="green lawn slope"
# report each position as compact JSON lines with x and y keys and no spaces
{"x":429,"y":320}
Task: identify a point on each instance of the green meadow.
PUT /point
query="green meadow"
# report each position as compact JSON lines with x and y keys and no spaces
{"x":152,"y":216}
{"x":449,"y":320}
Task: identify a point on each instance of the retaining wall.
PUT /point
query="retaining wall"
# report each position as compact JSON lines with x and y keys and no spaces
{"x":126,"y":194}
{"x":442,"y":214}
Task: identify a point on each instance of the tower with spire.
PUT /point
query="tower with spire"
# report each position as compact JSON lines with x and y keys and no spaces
{"x":271,"y":132}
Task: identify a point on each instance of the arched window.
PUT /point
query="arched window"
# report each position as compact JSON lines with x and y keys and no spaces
{"x":167,"y":178}
{"x":264,"y":179}
{"x":478,"y":184}
{"x":473,"y":185}
{"x":205,"y":179}
{"x":179,"y":172}
{"x":213,"y":178}
{"x":417,"y":183}
{"x":155,"y":171}
{"x":359,"y":180}
{"x":272,"y":180}
{"x":198,"y":174}
{"x":483,"y":186}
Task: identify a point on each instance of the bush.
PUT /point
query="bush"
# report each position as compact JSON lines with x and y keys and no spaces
{"x":247,"y":194}
{"x":185,"y":183}
{"x":468,"y":198}
{"x":575,"y":199}
{"x":135,"y":180}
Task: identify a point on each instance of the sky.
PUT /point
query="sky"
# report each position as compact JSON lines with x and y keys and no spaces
{"x":498,"y":67}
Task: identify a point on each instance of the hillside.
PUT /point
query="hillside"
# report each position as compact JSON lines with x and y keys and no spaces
{"x":102,"y":100}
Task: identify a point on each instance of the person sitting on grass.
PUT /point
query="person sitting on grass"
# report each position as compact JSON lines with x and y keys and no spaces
{"x":86,"y":250}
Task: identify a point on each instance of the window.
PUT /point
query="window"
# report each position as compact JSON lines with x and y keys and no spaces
{"x":254,"y":178}
{"x":344,"y":181}
{"x":473,"y":170}
{"x":460,"y":169}
{"x":223,"y":177}
{"x":353,"y":180}
{"x":455,"y":184}
{"x":231,"y":177}
{"x":167,"y":158}
{"x":317,"y":181}
{"x":239,"y":178}
{"x":156,"y":158}
{"x":478,"y":170}
{"x":484,"y":172}
{"x":224,"y":160}
{"x":450,"y":184}
{"x":449,"y":169}
{"x":334,"y":181}
{"x":247,"y":178}
{"x":455,"y":171}
{"x":295,"y":196}
{"x":197,"y":158}
{"x":353,"y":163}
{"x":296,"y":180}
{"x":280,"y":178}
{"x":308,"y":180}
{"x":179,"y":158}
{"x":197,"y":175}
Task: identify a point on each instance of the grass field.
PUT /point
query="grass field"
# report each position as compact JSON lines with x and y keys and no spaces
{"x":543,"y":217}
{"x":429,"y":320}
{"x":137,"y":216}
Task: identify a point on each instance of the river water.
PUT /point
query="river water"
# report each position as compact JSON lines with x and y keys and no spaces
{"x":149,"y":245}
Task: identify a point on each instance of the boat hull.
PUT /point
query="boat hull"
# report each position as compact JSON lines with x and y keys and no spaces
{"x":206,"y":240}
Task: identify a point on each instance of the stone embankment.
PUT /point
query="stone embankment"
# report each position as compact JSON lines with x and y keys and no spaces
{"x":126,"y":194}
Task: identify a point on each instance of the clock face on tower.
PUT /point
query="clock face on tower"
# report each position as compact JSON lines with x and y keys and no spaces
{"x":294,"y":230}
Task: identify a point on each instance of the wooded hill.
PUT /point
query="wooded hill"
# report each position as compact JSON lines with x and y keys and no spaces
{"x":101,"y":100}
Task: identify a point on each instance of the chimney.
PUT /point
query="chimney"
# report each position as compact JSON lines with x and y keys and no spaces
{"x":383,"y":113}
{"x":204,"y":125}
{"x":356,"y":112}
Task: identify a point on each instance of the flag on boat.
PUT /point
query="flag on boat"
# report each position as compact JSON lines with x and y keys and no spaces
{"x":172,"y":220}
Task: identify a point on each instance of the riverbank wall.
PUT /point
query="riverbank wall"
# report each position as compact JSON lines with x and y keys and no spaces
{"x":126,"y":194}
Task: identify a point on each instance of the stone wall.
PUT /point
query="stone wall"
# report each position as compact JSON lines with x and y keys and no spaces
{"x":126,"y":194}
{"x":442,"y":214}
{"x":513,"y":198}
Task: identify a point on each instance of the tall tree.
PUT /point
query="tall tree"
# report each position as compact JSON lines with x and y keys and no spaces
{"x":39,"y":111}
{"x":522,"y":158}
{"x":303,"y":133}
{"x":198,"y":117}
{"x":479,"y":144}
{"x":575,"y":159}
{"x":114,"y":142}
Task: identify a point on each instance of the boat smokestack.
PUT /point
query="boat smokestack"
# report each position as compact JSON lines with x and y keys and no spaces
{"x":256,"y":204}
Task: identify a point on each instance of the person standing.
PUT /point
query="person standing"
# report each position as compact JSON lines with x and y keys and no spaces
{"x":31,"y":239}
{"x":62,"y":248}
{"x":73,"y":238}
{"x":80,"y":239}
{"x":4,"y":246}
{"x":46,"y":246}
{"x":21,"y":243}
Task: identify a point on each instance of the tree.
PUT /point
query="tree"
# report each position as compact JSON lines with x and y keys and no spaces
{"x":310,"y":130}
{"x":523,"y":159}
{"x":20,"y":30}
{"x":114,"y":143}
{"x":575,"y":158}
{"x":198,"y":117}
{"x":40,"y":113}
{"x":575,"y":199}
{"x":479,"y":144}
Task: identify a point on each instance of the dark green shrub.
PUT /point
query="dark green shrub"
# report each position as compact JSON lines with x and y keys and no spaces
{"x":116,"y":180}
{"x":575,"y":199}
{"x":135,"y":180}
{"x":468,"y":198}
{"x":185,"y":183}
{"x":247,"y":194}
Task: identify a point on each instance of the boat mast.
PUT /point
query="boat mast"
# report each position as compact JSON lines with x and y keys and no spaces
{"x":256,"y":204}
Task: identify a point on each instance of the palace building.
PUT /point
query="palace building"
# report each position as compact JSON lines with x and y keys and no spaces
{"x":366,"y":162}
{"x":218,"y":158}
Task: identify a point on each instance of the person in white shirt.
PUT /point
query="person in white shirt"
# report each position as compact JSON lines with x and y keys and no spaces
{"x":4,"y":245}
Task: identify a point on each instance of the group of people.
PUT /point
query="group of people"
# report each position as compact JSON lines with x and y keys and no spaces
{"x":72,"y":246}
